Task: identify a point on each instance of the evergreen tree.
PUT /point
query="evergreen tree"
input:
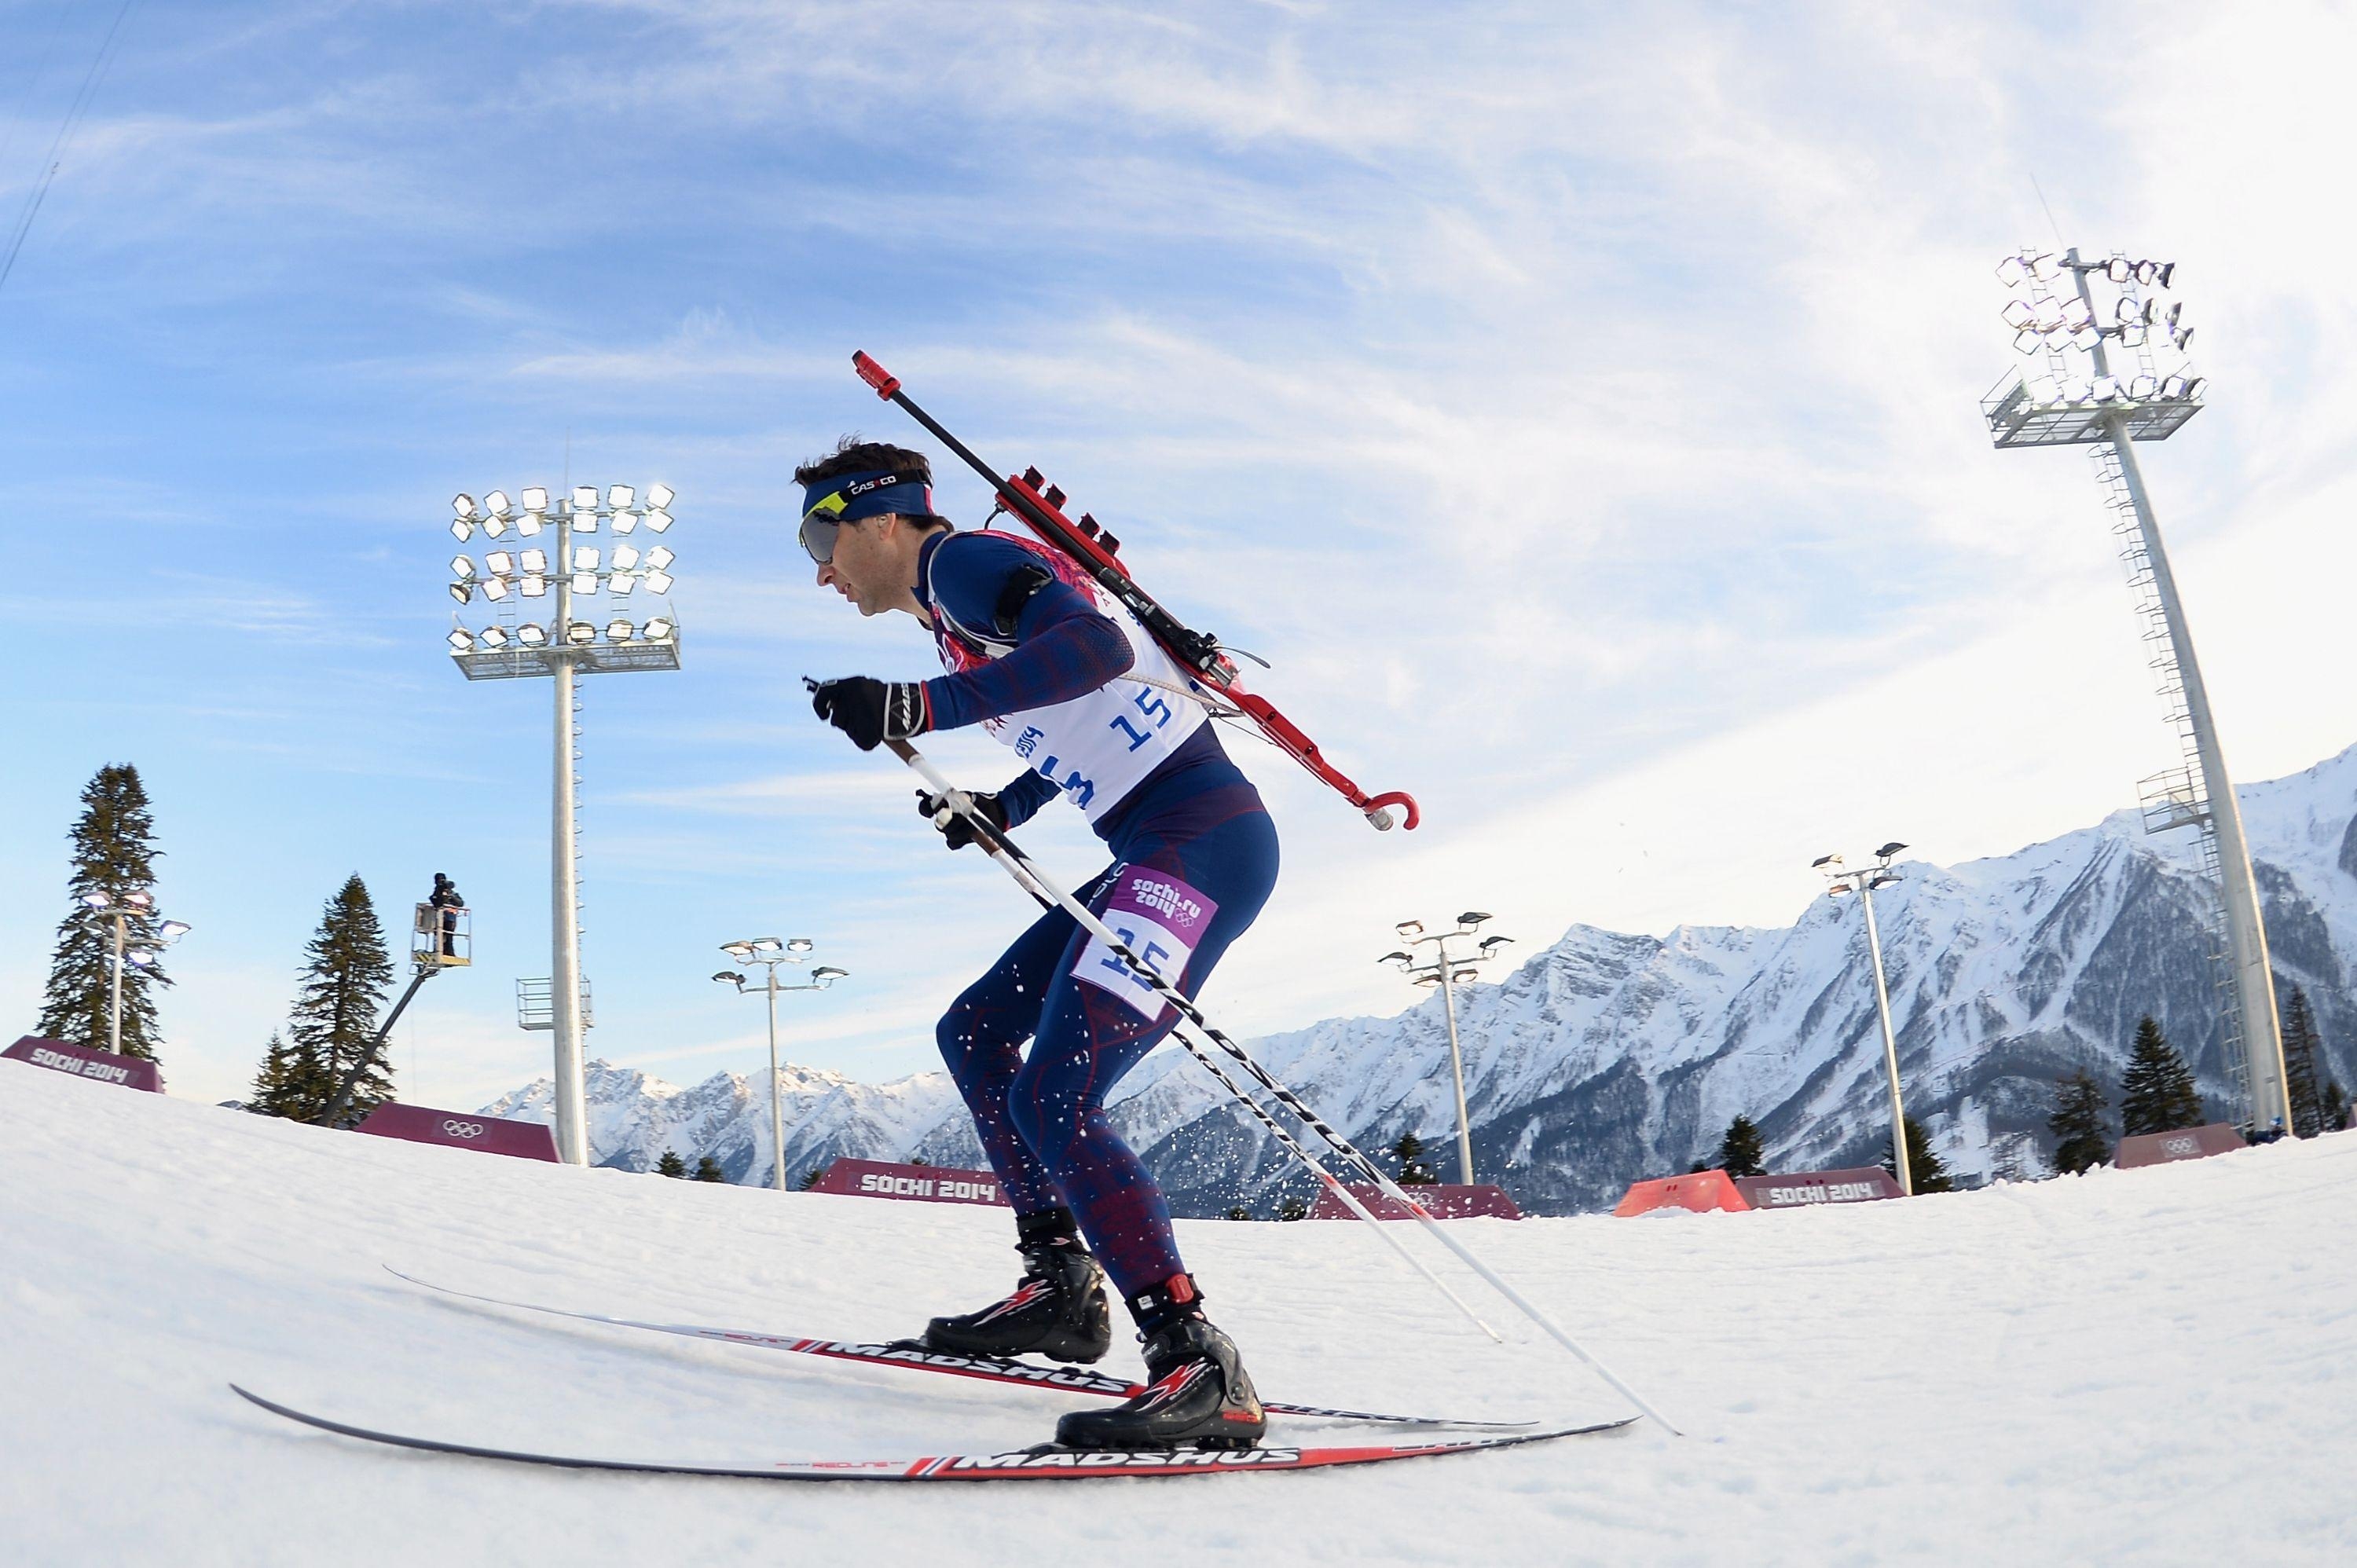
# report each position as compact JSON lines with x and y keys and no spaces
{"x":1925,"y":1170}
{"x":2336,"y":1107}
{"x":290,"y":1081}
{"x":1293,"y":1208}
{"x":1739,"y":1153}
{"x":670,"y":1165}
{"x":337,"y":1001}
{"x":114,"y":855}
{"x":1240,"y":1211}
{"x":2157,"y":1093}
{"x":2077,"y":1124}
{"x":2299,"y":1048}
{"x":811,"y":1177}
{"x":708,"y":1169}
{"x":1413,"y":1171}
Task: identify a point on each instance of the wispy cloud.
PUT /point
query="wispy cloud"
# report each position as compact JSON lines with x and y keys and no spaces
{"x":1577,"y":406}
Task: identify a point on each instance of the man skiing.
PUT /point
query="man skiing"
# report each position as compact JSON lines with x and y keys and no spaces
{"x":1068,"y":678}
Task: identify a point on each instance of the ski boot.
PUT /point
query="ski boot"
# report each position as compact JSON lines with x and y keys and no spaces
{"x":1057,"y":1311}
{"x":1198,"y":1394}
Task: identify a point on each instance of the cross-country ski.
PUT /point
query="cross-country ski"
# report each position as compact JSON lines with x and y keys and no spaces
{"x":915,"y":1357}
{"x":1046,"y":1463}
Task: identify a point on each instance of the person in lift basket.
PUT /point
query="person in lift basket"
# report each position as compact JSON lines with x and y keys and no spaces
{"x":1067,"y":677}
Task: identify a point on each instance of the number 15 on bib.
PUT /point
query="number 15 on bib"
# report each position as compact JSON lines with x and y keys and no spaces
{"x":1160,"y":918}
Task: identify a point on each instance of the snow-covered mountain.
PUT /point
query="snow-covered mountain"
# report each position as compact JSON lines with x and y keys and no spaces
{"x":1609,"y":1057}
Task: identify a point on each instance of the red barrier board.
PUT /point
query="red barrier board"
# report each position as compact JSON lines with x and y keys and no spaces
{"x":912,"y":1184}
{"x":1701,"y":1192}
{"x":99,"y":1067}
{"x":1805,"y":1189}
{"x":2187,"y":1144}
{"x":458,"y":1130}
{"x":1443,"y":1202}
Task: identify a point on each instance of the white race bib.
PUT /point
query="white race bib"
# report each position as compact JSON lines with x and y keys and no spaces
{"x":1160,"y":918}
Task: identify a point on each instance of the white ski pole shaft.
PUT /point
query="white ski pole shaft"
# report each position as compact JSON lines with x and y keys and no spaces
{"x":988,"y":832}
{"x":1332,"y":1184}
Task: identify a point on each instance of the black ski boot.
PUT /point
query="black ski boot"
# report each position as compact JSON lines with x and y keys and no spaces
{"x":1198,"y":1394}
{"x":1058,"y":1311}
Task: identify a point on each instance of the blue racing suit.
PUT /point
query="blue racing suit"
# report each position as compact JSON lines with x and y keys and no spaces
{"x":1021,"y":630}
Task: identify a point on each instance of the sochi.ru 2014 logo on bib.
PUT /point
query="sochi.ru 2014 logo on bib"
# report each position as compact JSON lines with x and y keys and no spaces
{"x":1160,"y":919}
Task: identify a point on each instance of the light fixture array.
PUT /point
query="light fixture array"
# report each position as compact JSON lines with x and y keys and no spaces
{"x":578,"y":634}
{"x":2065,"y":324}
{"x":527,"y":572}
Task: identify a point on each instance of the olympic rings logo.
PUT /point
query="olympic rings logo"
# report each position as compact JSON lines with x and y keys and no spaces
{"x":454,"y":1127}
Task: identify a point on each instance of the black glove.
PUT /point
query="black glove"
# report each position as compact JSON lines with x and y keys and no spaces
{"x":870,"y":710}
{"x":959,"y":829}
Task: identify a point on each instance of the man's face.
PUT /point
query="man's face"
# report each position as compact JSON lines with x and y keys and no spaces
{"x":865,"y":567}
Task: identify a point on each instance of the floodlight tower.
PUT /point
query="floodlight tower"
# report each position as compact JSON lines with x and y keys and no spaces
{"x":770,"y":953}
{"x":1445,"y":968}
{"x":120,"y":910}
{"x":2069,"y":402}
{"x":1840,"y":881}
{"x":563,"y":650}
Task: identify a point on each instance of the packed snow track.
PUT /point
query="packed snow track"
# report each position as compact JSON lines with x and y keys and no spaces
{"x":2150,"y":1366}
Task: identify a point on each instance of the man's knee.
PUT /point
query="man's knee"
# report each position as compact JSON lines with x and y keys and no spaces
{"x":1043,"y":1118}
{"x":965,"y":1037}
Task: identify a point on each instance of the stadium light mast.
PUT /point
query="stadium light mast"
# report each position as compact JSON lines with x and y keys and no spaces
{"x":119,"y":910}
{"x":563,"y":650}
{"x":769,"y":952}
{"x":2109,"y":408}
{"x":1863,"y":883}
{"x":1445,"y":970}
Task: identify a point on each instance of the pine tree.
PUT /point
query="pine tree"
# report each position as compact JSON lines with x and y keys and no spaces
{"x":811,"y":1177}
{"x":1926,"y":1172}
{"x":670,"y":1165}
{"x":338,"y":999}
{"x":290,"y":1081}
{"x":708,"y":1169}
{"x":2299,"y":1048}
{"x":1240,"y":1211}
{"x":1739,"y":1153}
{"x":1413,"y":1171}
{"x":2336,"y":1107}
{"x":2157,"y":1093}
{"x":2077,"y":1124}
{"x":1293,"y":1208}
{"x":112,"y":856}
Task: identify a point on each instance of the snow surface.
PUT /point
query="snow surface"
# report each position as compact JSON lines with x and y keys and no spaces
{"x":2151,"y":1365}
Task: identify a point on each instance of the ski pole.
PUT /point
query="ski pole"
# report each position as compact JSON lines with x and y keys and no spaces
{"x":1242,"y":1096}
{"x":1024,"y":879}
{"x":1012,"y":855}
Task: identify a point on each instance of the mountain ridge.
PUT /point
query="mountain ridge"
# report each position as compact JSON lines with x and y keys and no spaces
{"x":1609,"y":1056}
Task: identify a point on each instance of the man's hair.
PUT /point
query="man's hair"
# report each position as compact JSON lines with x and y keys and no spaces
{"x":853,"y":455}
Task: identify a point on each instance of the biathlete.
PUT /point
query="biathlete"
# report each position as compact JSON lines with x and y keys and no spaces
{"x":1052,"y":667}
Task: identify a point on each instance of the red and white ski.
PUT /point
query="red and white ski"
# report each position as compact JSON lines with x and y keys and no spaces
{"x":1023,"y":1464}
{"x":1063,"y":1380}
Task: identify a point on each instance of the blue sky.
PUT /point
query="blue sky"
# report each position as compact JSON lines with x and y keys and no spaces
{"x":1578,"y":406}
